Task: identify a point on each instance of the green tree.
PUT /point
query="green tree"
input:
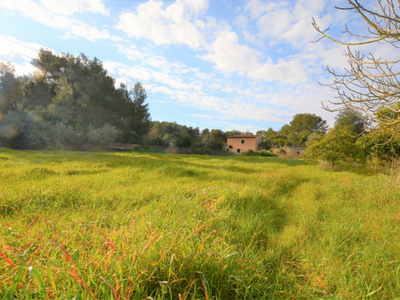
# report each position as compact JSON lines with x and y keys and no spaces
{"x":232,"y":132}
{"x":51,"y":66}
{"x":37,"y":93}
{"x":71,"y":93}
{"x":218,"y":134}
{"x":308,"y":122}
{"x":285,"y":130}
{"x":271,"y":138}
{"x":204,"y":134}
{"x":103,"y":136}
{"x":266,"y":144}
{"x":348,"y":118}
{"x":163,"y":133}
{"x":62,"y":102}
{"x":139,"y":116}
{"x":11,"y":91}
{"x":301,"y":127}
{"x":184,"y":139}
{"x":382,"y":145}
{"x":213,"y":139}
{"x":313,"y":138}
{"x":337,"y":145}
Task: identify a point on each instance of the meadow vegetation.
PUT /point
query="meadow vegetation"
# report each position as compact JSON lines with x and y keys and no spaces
{"x":160,"y":226}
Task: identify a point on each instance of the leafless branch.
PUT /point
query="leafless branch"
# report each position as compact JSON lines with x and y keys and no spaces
{"x":370,"y":85}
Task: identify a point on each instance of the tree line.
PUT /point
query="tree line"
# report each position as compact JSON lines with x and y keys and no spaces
{"x":351,"y":138}
{"x":69,"y":102}
{"x":165,"y":134}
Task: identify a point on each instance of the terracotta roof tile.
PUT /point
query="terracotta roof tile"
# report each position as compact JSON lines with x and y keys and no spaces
{"x":242,"y":136}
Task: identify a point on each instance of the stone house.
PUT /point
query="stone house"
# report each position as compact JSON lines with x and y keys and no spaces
{"x":243,"y":143}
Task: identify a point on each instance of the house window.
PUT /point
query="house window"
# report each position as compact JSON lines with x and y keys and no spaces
{"x":237,"y":150}
{"x":242,"y":141}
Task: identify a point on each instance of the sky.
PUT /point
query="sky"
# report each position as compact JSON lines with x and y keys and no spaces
{"x":220,"y":64}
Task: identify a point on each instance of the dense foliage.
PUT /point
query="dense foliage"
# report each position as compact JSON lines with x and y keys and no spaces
{"x":165,"y":134}
{"x":67,"y":102}
{"x":338,"y":145}
{"x":352,"y":141}
{"x":351,"y":121}
{"x":296,"y":133}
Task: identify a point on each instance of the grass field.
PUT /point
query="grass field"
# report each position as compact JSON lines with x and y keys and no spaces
{"x":157,"y":226}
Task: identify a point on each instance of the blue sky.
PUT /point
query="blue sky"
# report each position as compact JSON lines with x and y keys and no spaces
{"x":227,"y":64}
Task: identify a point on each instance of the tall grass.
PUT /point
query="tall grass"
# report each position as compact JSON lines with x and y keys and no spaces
{"x":158,"y":226}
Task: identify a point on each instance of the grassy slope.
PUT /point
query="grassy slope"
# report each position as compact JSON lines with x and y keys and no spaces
{"x":126,"y":225}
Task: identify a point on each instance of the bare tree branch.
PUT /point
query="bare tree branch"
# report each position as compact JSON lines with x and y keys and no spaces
{"x":370,"y":85}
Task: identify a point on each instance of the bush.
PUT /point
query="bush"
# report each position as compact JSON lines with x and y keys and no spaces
{"x":339,"y":145}
{"x":260,"y":153}
{"x":207,"y":151}
{"x":103,"y":136}
{"x":376,"y":144}
{"x":267,"y":154}
{"x":249,"y":153}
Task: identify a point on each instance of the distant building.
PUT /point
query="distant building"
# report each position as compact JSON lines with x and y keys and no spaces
{"x":243,"y":143}
{"x":292,"y":152}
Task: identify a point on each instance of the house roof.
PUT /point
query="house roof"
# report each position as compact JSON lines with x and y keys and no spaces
{"x":242,"y":136}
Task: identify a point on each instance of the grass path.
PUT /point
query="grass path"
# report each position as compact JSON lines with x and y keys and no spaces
{"x":133,"y":225}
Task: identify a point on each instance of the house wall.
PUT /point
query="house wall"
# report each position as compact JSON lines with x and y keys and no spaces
{"x":249,"y":143}
{"x":290,"y":152}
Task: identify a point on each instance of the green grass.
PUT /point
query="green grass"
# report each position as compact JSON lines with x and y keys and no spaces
{"x":135,"y":225}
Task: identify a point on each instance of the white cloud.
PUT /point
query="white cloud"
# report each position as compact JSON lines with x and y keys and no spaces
{"x":249,"y":37}
{"x":229,"y":56}
{"x":143,"y":73}
{"x":122,"y":80}
{"x":172,"y":25}
{"x":290,"y":22}
{"x":176,"y":24}
{"x":157,"y":61}
{"x":132,"y":53}
{"x":79,"y":28}
{"x":174,"y":82}
{"x":70,"y":7}
{"x":162,"y":89}
{"x":12,"y":48}
{"x":204,"y":76}
{"x":257,"y":7}
{"x":116,"y":38}
{"x":269,"y":41}
{"x":275,"y":24}
{"x":240,"y":21}
{"x":24,"y":68}
{"x":136,"y":72}
{"x":42,"y":15}
{"x":130,"y":72}
{"x":287,"y":71}
{"x":241,"y":127}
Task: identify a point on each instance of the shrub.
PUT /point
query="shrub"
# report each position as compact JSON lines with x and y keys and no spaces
{"x":260,"y":153}
{"x":376,"y":144}
{"x":102,"y":136}
{"x":207,"y":151}
{"x":249,"y":153}
{"x":267,"y":154}
{"x":337,"y":146}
